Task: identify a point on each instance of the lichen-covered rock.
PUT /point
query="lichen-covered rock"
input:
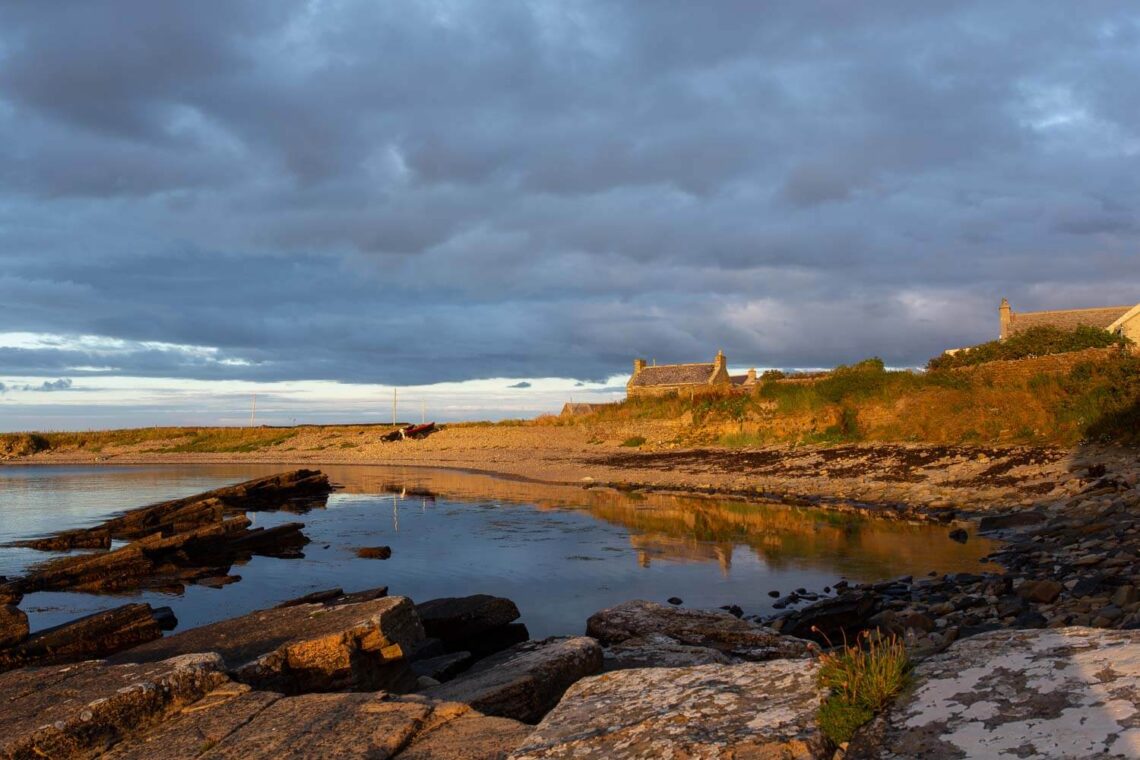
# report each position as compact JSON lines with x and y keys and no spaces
{"x":74,"y":710}
{"x":525,"y":681}
{"x":236,"y":722}
{"x":311,"y":647}
{"x":1057,"y":693}
{"x":656,"y":650}
{"x":761,"y":710}
{"x":741,"y":640}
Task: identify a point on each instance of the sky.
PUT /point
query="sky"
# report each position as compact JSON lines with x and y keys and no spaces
{"x":497,"y":206}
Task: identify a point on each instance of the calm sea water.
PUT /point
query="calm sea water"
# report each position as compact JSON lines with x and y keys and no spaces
{"x":561,"y":553}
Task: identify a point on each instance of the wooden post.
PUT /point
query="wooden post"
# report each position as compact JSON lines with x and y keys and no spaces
{"x":253,"y":411}
{"x":423,"y":412}
{"x":393,"y":405}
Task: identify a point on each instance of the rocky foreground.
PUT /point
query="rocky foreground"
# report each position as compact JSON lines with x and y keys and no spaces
{"x":348,"y":677}
{"x":1038,"y":659}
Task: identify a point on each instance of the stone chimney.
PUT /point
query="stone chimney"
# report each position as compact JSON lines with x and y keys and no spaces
{"x":750,"y":379}
{"x":1006,"y":318}
{"x":638,"y":365}
{"x":720,"y":363}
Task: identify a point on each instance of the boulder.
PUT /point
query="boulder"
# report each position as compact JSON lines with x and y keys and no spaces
{"x":760,"y":710}
{"x":78,"y":710}
{"x":1053,"y":693}
{"x":525,"y":681}
{"x":374,"y":552}
{"x":13,"y":625}
{"x":708,"y":629}
{"x":453,"y":620}
{"x":96,"y":635}
{"x":1042,"y":591}
{"x":313,"y":647}
{"x":831,"y":621}
{"x":235,"y":722}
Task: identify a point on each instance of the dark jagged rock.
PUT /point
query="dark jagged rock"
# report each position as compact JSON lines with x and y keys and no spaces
{"x":960,"y":535}
{"x":164,"y":561}
{"x":494,"y":640}
{"x":479,"y":624}
{"x":362,"y":646}
{"x":315,"y":597}
{"x":832,"y":620}
{"x":444,"y":667}
{"x":13,"y":626}
{"x":79,"y":710}
{"x":96,"y":538}
{"x":453,"y":619}
{"x":295,"y":491}
{"x":374,"y":552}
{"x":525,"y":681}
{"x":97,"y":635}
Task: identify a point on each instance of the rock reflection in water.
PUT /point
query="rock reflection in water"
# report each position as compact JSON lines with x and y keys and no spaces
{"x":560,"y":552}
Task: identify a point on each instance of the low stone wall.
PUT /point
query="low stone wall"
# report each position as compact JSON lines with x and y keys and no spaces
{"x":1023,"y":369}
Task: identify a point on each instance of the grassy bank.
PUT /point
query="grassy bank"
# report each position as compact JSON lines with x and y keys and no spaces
{"x":1059,"y":400}
{"x":150,"y":440}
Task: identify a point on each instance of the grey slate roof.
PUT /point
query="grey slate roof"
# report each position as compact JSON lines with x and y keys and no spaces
{"x":673,"y":374}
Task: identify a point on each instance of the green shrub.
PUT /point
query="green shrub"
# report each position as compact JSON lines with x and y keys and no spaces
{"x":772,"y":374}
{"x":634,"y":441}
{"x":1036,"y":341}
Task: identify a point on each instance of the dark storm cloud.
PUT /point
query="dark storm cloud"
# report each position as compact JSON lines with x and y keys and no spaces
{"x":417,"y":191}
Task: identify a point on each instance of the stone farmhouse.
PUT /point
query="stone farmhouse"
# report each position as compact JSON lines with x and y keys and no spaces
{"x":660,"y":380}
{"x":1123,"y":320}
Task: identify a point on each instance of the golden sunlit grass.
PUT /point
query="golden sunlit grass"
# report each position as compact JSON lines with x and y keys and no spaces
{"x":156,"y":440}
{"x":1097,"y":399}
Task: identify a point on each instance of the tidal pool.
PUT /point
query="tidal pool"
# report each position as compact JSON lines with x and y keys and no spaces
{"x":560,"y":552}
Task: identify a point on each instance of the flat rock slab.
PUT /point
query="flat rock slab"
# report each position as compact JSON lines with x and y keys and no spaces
{"x":747,"y":710}
{"x":525,"y":681}
{"x":1055,"y":693}
{"x":710,"y":629}
{"x":657,"y":650}
{"x":79,"y":709}
{"x":235,"y":722}
{"x":308,"y":647}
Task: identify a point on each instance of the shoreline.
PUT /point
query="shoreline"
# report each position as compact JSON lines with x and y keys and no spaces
{"x":913,"y":481}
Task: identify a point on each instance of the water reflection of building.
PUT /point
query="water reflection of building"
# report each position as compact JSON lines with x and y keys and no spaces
{"x":651,"y":546}
{"x":666,"y":527}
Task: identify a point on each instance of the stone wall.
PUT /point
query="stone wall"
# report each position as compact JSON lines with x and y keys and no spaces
{"x":1023,"y":369}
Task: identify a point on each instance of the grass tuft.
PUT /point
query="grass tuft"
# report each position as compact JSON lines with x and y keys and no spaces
{"x":861,"y":680}
{"x":634,"y":441}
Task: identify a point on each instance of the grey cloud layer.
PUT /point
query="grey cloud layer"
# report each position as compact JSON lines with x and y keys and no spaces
{"x":411,"y":191}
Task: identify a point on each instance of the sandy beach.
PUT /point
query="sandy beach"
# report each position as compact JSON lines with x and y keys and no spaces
{"x":919,"y":480}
